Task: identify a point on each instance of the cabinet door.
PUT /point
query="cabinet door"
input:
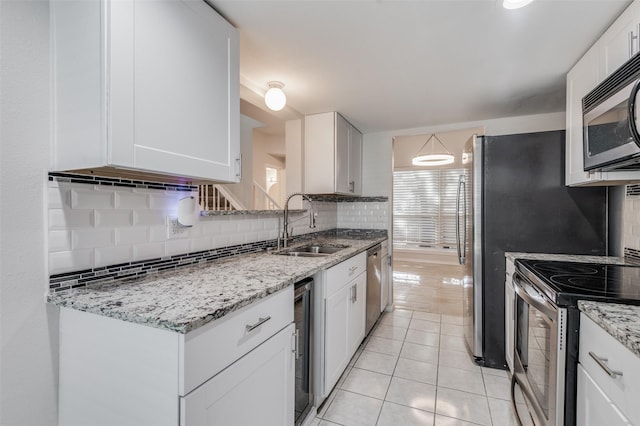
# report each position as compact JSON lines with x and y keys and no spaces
{"x":343,"y":128}
{"x":258,"y":389}
{"x":620,"y":41}
{"x":580,"y":80}
{"x":337,"y":332}
{"x":355,"y":161}
{"x":357,"y":313}
{"x":594,"y":408}
{"x":174,"y":89}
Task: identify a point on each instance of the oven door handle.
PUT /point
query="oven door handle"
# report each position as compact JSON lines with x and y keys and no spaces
{"x":527,"y":292}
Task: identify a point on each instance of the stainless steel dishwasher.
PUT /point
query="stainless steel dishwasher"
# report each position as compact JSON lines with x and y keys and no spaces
{"x":374,"y":271}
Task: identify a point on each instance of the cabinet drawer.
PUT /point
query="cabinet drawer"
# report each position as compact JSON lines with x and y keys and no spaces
{"x":624,"y":391}
{"x":344,"y":272}
{"x":211,"y":348}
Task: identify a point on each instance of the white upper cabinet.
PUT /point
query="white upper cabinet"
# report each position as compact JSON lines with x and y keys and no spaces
{"x":616,"y":46}
{"x":582,"y":78}
{"x":620,"y":42}
{"x":149,"y":86}
{"x":333,"y":155}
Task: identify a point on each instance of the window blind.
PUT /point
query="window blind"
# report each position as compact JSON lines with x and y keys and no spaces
{"x":424,"y":207}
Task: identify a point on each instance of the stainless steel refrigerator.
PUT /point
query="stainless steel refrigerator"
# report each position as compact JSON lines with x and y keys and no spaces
{"x":512,"y":198}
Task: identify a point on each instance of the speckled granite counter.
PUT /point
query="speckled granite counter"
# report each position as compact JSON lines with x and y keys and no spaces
{"x":187,"y":298}
{"x":570,"y":258}
{"x":620,"y":321}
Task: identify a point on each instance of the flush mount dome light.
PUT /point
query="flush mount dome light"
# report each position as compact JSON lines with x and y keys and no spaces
{"x":515,"y":4}
{"x":433,"y":158}
{"x":275,"y":99}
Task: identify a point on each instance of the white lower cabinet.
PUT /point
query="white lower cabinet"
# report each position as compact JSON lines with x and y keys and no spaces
{"x":236,"y":370}
{"x":594,"y":406}
{"x":357,"y":313}
{"x":258,"y":389}
{"x":345,"y":326}
{"x":341,"y":295}
{"x":608,"y":379}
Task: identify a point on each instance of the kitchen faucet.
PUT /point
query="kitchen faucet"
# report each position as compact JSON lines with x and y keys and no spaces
{"x":312,"y":216}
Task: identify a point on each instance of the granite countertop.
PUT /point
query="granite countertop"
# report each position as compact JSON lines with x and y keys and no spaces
{"x":187,"y":298}
{"x":612,"y":260}
{"x":620,"y":321}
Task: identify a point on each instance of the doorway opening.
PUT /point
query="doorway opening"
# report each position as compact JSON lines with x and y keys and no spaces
{"x":426,"y":274}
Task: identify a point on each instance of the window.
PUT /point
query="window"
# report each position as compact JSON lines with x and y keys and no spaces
{"x":424,"y":207}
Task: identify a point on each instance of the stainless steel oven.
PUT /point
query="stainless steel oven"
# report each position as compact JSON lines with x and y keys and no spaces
{"x":540,"y":352}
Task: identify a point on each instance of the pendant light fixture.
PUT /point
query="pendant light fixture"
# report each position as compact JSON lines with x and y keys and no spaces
{"x":432,"y":157}
{"x":275,"y":99}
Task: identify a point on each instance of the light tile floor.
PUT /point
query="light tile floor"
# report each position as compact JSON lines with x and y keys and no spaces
{"x":414,"y":368}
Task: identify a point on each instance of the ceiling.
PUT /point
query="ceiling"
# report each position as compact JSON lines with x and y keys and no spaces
{"x":393,"y":64}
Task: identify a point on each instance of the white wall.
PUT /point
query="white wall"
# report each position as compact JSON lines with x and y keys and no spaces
{"x":263,"y":147}
{"x":29,"y":327}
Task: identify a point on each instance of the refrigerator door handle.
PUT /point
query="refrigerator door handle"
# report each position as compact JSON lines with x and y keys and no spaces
{"x":463,"y":248}
{"x":461,"y":183}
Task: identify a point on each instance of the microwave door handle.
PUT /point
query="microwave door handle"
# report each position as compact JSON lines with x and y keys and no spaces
{"x":631,"y":110}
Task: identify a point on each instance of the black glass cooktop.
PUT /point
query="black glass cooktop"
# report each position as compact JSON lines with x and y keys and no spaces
{"x":567,"y":282}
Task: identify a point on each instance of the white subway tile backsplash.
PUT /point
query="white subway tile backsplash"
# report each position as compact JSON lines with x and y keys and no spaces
{"x":67,"y":219}
{"x":66,"y":261}
{"x":59,"y":241}
{"x":132,"y":235}
{"x":210,"y":226}
{"x":113,"y":218}
{"x":57,"y":197}
{"x":92,"y":238}
{"x":112,"y":255}
{"x":221,"y":240}
{"x":92,"y":199}
{"x":148,"y":251}
{"x":132,"y":200}
{"x":177,"y":246}
{"x":98,"y":225}
{"x":150,"y":217}
{"x":158,"y":233}
{"x":243,"y":225}
{"x":200,"y":244}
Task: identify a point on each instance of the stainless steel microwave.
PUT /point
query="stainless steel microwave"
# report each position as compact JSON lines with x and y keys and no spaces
{"x":611,"y":118}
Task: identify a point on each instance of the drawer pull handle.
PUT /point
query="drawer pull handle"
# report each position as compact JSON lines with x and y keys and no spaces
{"x":601,"y":362}
{"x":258,"y":324}
{"x":352,"y":270}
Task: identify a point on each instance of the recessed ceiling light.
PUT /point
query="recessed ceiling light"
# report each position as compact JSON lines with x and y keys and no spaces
{"x":515,"y":4}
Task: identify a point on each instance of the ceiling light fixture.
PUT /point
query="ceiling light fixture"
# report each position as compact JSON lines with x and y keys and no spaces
{"x":275,"y":99}
{"x":515,"y":4}
{"x":433,"y":158}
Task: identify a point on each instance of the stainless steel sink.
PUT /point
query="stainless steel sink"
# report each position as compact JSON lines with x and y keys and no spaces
{"x":320,"y":249}
{"x":314,"y":250}
{"x":302,"y":254}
